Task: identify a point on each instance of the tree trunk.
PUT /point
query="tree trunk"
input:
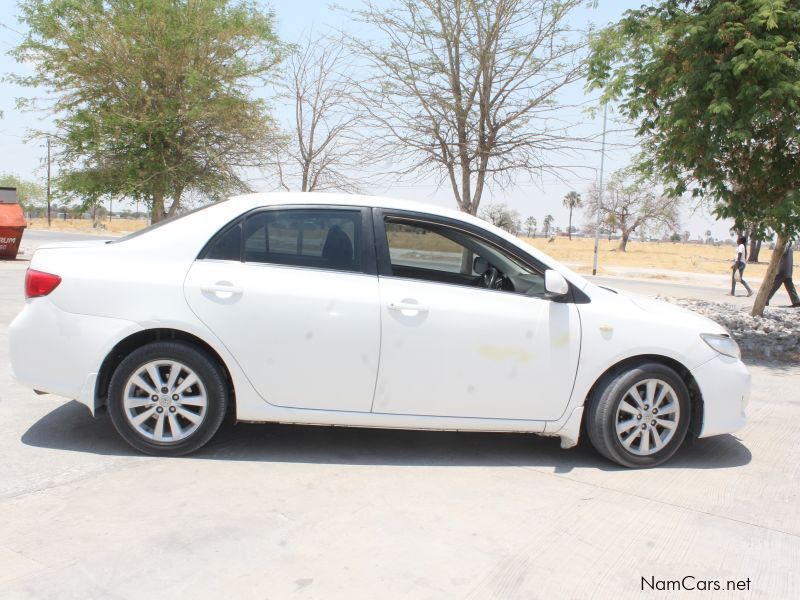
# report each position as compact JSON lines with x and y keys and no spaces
{"x":569,"y":227}
{"x":769,"y":277}
{"x":623,"y":242}
{"x":157,"y":209}
{"x":755,"y":248}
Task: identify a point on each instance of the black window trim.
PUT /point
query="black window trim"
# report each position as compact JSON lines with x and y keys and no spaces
{"x":368,"y":258}
{"x":575,"y":295}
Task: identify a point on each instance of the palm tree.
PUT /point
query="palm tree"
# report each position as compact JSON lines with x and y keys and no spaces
{"x":531,"y":223}
{"x":547,"y":225}
{"x":572,"y":201}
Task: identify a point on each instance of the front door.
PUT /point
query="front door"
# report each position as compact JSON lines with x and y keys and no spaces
{"x":293,"y":296}
{"x":466,"y":328}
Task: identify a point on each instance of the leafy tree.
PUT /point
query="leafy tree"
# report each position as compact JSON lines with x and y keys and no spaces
{"x":547,"y":225}
{"x":30,"y":194}
{"x":572,"y":201}
{"x":632,"y":204}
{"x":531,"y":224}
{"x":715,"y":88}
{"x":466,"y":89}
{"x":501,"y":216}
{"x":675,"y":237}
{"x":151,"y":97}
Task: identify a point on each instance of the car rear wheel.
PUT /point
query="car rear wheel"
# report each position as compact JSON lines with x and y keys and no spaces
{"x":639,"y":417}
{"x":167,"y":398}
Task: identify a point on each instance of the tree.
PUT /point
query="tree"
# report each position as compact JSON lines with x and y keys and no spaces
{"x":531,"y":223}
{"x":323,"y":150}
{"x":500,"y":215}
{"x":547,"y":225}
{"x":631,"y":204}
{"x":465,"y":89}
{"x":709,"y":239}
{"x":572,"y":200}
{"x":715,"y":88}
{"x":151,"y":97}
{"x":30,"y":194}
{"x":675,"y":237}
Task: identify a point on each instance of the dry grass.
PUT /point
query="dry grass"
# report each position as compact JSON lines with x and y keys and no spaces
{"x":694,"y":258}
{"x":85,"y":225}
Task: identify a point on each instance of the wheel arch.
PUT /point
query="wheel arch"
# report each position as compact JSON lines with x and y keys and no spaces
{"x":136,"y":340}
{"x":695,"y":395}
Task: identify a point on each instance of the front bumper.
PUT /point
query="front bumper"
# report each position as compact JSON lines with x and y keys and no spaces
{"x":724,"y":383}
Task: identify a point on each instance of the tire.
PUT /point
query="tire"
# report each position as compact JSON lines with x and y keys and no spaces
{"x":178,"y":421}
{"x":648,"y":400}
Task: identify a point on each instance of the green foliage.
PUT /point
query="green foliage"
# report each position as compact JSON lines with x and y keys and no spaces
{"x":151,"y":98}
{"x":715,"y":89}
{"x":30,"y":194}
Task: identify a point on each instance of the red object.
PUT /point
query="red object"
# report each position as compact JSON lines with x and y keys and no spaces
{"x":12,"y":224}
{"x":39,"y":283}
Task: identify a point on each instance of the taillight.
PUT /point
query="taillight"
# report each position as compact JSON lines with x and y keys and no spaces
{"x":38,"y":283}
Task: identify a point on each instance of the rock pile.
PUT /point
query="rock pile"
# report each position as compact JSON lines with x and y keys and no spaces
{"x":775,"y":336}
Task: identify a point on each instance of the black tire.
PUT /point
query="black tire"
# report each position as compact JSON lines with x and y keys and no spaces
{"x":602,"y":415}
{"x":211,"y":377}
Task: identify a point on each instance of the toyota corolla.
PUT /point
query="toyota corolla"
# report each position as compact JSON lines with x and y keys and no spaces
{"x":351,"y":310}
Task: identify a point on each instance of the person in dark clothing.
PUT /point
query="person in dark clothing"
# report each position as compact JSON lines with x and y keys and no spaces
{"x":784,"y":276}
{"x":739,"y":264}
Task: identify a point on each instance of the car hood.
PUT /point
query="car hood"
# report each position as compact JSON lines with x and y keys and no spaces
{"x":669,"y":311}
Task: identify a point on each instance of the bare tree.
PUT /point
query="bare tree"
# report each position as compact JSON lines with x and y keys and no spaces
{"x":500,"y":215}
{"x":323,"y":149}
{"x":572,"y":201}
{"x":632,"y":204}
{"x":466,"y":89}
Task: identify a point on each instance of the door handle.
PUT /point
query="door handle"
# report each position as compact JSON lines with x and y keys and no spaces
{"x":220,"y":288}
{"x":401,"y":306}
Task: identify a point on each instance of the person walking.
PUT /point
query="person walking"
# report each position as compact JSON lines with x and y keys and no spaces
{"x":784,"y":276}
{"x":738,"y":266}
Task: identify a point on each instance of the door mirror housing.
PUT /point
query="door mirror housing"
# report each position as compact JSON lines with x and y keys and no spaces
{"x":554,"y":284}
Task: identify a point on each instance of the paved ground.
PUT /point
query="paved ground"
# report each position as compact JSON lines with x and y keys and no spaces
{"x":277,"y":511}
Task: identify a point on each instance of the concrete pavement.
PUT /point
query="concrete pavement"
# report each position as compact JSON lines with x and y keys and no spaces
{"x":274,"y":511}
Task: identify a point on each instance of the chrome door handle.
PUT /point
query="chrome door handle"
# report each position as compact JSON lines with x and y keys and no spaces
{"x":219,"y":288}
{"x":408,"y":306}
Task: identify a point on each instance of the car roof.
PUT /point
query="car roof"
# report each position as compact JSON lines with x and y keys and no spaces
{"x":342,"y":199}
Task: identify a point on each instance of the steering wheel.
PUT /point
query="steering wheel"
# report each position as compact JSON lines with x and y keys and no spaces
{"x":491,"y":279}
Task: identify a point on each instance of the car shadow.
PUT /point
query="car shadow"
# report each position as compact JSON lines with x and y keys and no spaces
{"x":70,"y":427}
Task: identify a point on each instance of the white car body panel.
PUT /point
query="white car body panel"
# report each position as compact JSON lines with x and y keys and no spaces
{"x":289,"y":318}
{"x":471,"y":352}
{"x":153,"y":281}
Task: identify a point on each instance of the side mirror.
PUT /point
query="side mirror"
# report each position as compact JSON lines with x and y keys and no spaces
{"x":479,"y":265}
{"x":554,"y":284}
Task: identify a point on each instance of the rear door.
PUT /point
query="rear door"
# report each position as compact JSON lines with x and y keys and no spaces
{"x":292,"y":293}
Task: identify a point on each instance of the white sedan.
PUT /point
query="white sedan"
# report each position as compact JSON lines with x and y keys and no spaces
{"x":351,"y":310}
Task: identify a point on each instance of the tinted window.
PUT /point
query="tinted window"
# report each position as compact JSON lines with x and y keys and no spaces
{"x":228,"y":246}
{"x":318,"y":238}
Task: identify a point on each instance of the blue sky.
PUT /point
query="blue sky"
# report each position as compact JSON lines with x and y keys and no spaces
{"x":298,"y":17}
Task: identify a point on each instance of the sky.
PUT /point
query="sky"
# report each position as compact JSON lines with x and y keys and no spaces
{"x":296,"y":18}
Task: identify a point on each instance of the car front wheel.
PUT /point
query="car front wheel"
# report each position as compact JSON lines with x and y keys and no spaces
{"x":639,"y":417}
{"x":167,"y":398}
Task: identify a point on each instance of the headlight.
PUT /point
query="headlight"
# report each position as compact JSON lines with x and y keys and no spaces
{"x":722,"y":343}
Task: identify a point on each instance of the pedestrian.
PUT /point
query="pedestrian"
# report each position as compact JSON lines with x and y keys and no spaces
{"x":784,"y":276}
{"x":738,"y":266}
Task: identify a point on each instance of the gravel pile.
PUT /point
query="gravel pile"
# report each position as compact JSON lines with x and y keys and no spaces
{"x":775,"y":336}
